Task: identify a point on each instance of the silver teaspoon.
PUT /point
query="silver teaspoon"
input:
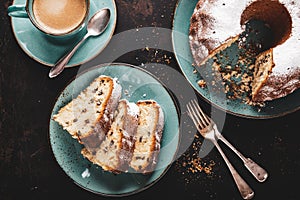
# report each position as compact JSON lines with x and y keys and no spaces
{"x":96,"y":25}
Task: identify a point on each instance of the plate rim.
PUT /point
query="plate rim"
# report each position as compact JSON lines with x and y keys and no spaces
{"x":47,"y":64}
{"x":269,"y":116}
{"x":164,"y":169}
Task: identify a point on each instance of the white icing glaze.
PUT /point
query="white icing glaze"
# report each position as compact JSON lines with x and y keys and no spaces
{"x":227,"y":25}
{"x":86,"y":173}
{"x":286,"y":55}
{"x":133,"y":109}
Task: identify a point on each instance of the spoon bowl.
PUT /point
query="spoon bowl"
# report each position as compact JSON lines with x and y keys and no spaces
{"x":99,"y":22}
{"x":95,"y":27}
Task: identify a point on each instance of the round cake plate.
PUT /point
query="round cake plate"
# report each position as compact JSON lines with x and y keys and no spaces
{"x":180,"y":40}
{"x":137,"y":84}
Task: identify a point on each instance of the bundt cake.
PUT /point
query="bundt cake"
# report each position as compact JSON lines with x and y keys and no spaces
{"x":115,"y":152}
{"x":148,"y":136}
{"x":88,"y":117}
{"x":275,"y":72}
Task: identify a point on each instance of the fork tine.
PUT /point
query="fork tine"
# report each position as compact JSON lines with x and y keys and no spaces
{"x":200,"y":113}
{"x":198,"y":117}
{"x":193,"y":116}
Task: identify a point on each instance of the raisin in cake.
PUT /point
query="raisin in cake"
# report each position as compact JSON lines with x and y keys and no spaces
{"x":88,"y":117}
{"x":148,"y":136}
{"x":115,"y":152}
{"x":216,"y":24}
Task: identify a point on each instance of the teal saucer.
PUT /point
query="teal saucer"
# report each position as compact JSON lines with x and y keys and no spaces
{"x":48,"y":51}
{"x":137,"y":84}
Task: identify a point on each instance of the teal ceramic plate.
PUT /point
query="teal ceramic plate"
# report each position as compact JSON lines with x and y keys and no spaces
{"x":181,"y":23}
{"x":47,"y":51}
{"x":137,"y":84}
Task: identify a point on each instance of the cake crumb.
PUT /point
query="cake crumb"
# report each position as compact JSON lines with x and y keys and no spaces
{"x":202,"y":83}
{"x":191,"y":166}
{"x":86,"y":173}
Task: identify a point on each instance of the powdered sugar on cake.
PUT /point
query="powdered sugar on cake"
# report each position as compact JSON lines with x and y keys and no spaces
{"x":215,"y":22}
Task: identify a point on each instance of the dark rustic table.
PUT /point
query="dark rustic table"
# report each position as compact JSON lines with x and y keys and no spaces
{"x":28,"y":169}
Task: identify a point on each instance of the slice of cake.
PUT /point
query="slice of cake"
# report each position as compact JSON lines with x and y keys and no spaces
{"x":148,"y":136}
{"x":88,"y":117}
{"x":115,"y":152}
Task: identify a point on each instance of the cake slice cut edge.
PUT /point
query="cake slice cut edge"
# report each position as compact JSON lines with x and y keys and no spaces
{"x":220,"y":48}
{"x":116,"y":150}
{"x":88,"y":116}
{"x":148,"y":137}
{"x":262,"y":68}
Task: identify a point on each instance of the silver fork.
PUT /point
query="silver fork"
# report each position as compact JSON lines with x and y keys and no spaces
{"x":208,"y":130}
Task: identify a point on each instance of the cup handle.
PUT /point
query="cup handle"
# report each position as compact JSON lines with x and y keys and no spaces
{"x":17,"y":11}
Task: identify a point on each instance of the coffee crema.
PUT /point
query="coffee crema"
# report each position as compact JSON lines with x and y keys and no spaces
{"x":59,"y":16}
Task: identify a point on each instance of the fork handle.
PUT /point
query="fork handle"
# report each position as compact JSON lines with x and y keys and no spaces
{"x":244,"y":189}
{"x":257,"y":171}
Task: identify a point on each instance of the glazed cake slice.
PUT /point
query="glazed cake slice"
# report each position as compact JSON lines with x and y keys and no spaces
{"x":115,"y":152}
{"x":88,"y":117}
{"x":148,"y":136}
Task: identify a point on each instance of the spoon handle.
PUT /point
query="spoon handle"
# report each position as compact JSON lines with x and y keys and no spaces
{"x":61,"y":63}
{"x":244,"y":189}
{"x":257,"y":171}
